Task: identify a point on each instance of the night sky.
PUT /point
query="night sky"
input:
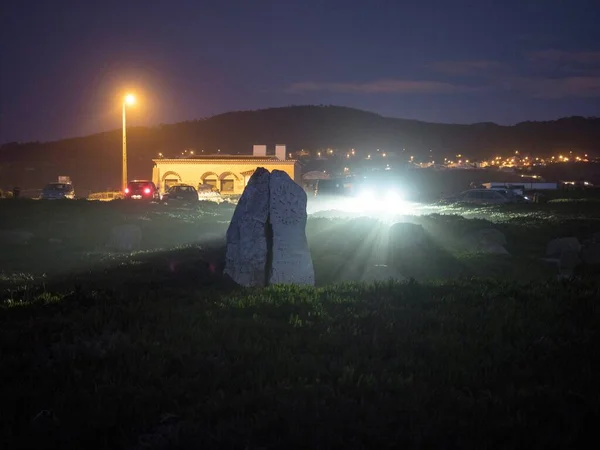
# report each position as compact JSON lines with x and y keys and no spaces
{"x":66,"y":64}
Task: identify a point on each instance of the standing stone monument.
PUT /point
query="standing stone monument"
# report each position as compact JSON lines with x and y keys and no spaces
{"x":266,"y":239}
{"x":246,"y":254}
{"x":291,"y":262}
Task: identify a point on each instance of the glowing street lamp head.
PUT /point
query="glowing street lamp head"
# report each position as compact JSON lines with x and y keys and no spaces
{"x":129,"y":99}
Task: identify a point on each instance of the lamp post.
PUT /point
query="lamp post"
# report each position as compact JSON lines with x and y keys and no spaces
{"x":128,"y":100}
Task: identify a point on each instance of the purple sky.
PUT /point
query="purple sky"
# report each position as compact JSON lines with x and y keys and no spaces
{"x":65,"y":64}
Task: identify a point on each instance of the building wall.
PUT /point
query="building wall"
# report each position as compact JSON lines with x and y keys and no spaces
{"x":223,"y":172}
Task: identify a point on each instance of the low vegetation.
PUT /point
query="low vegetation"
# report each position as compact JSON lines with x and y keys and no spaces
{"x":153,"y":349}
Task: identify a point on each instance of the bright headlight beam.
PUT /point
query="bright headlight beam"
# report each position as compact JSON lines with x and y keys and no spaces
{"x":366,"y":194}
{"x":393,"y":196}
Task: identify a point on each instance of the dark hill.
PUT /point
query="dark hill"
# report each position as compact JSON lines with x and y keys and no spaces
{"x":94,"y":162}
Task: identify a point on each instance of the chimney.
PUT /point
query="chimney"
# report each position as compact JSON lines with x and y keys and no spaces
{"x":259,"y":150}
{"x":280,"y":152}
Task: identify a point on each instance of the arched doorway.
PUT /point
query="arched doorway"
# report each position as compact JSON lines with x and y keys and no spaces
{"x":210,"y":178}
{"x":169,"y":179}
{"x":227,"y":181}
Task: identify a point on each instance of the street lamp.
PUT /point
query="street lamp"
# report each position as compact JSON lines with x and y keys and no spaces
{"x":128,"y":100}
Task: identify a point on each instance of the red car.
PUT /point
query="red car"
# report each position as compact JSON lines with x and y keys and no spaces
{"x":142,"y":190}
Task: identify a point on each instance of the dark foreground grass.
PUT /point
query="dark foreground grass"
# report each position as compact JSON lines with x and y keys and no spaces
{"x":183,"y":363}
{"x":153,"y":350}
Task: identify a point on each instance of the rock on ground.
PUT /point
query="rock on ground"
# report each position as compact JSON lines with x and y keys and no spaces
{"x":291,"y":262}
{"x":407,"y":235}
{"x":487,"y":241}
{"x":246,"y":254}
{"x":569,"y":259}
{"x":125,"y":237}
{"x":491,"y":235}
{"x":556,"y":246}
{"x":492,"y":248}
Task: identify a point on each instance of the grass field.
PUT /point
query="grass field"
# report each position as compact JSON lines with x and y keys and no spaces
{"x":153,"y":349}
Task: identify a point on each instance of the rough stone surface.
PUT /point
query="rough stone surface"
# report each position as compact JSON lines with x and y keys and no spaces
{"x":569,"y":259}
{"x":407,"y":235}
{"x":246,"y":254}
{"x":556,"y":246}
{"x":291,"y":262}
{"x":492,"y":248}
{"x":125,"y":237}
{"x":554,"y":261}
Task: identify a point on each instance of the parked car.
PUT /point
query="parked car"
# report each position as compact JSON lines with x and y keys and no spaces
{"x":141,"y":190}
{"x":58,"y":191}
{"x":513,"y":196}
{"x":482,"y":197}
{"x":180,"y":194}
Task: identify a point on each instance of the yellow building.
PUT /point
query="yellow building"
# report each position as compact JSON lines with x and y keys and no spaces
{"x":228,"y":173}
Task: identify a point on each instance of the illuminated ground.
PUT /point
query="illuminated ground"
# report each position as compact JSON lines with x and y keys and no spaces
{"x":378,"y":208}
{"x":72,"y":236}
{"x":153,"y":350}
